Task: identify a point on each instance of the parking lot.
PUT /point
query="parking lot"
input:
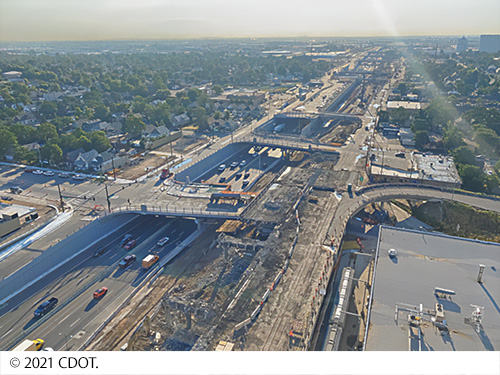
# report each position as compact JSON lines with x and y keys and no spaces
{"x":241,"y":169}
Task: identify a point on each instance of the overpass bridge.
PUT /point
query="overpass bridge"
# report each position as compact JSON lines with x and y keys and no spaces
{"x":185,"y":212}
{"x":289,"y":144}
{"x":308,"y":115}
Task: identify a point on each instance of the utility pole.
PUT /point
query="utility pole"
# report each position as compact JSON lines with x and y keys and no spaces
{"x":171,"y":150}
{"x":60,"y":197}
{"x":107,"y":198}
{"x":114,"y":170}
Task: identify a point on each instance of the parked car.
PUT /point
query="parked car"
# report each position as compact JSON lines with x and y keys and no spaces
{"x":222,"y":168}
{"x":45,"y":307}
{"x":238,"y":176}
{"x":246,"y":175}
{"x":125,"y":239}
{"x":5,"y":198}
{"x":130,"y":245}
{"x":16,"y":190}
{"x":37,"y":171}
{"x":243,"y":163}
{"x":234,"y":164}
{"x":99,"y":252}
{"x":163,"y":241}
{"x":64,"y":175}
{"x":100,"y":292}
{"x":48,"y":173}
{"x":127,"y":261}
{"x":79,"y":177}
{"x":245,"y":183}
{"x":222,"y":179}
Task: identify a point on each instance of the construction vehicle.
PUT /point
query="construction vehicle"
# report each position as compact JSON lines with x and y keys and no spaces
{"x":149,"y":260}
{"x":29,"y":346}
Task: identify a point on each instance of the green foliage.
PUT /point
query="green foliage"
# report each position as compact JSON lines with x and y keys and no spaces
{"x":8,"y":141}
{"x":133,"y":125}
{"x":472,"y":177}
{"x":99,"y":141}
{"x":46,"y":132}
{"x":463,"y":155}
{"x":48,"y":109}
{"x":471,"y":222}
{"x":421,"y":139}
{"x":453,"y":138}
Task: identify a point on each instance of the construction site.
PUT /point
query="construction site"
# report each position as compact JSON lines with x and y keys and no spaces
{"x":233,"y":281}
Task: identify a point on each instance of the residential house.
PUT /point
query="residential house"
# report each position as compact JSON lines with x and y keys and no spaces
{"x":86,"y":160}
{"x":180,"y":120}
{"x":152,"y":132}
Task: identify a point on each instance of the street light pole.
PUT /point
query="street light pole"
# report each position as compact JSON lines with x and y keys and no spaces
{"x":107,"y":198}
{"x":60,"y":197}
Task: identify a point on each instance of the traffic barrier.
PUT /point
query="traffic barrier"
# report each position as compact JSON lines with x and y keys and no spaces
{"x":256,"y":312}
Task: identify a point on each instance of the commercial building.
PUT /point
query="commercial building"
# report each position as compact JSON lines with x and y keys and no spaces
{"x":462,"y":45}
{"x":489,"y":43}
{"x":434,"y":293}
{"x":433,"y":170}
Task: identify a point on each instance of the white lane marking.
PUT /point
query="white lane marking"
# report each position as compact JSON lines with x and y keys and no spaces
{"x":10,"y":330}
{"x":66,"y":317}
{"x":76,"y":321}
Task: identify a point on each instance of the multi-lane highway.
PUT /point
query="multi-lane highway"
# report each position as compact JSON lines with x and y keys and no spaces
{"x":78,"y":314}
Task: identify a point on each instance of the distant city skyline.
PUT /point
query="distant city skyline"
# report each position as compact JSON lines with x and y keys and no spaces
{"x":67,"y":20}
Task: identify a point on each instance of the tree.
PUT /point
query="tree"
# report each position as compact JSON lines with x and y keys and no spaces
{"x":99,"y":141}
{"x":453,"y":138}
{"x":133,"y":125}
{"x":472,"y":177}
{"x":8,"y":141}
{"x":46,"y":132}
{"x":421,"y":139}
{"x":48,"y":109}
{"x":497,"y":167}
{"x":227,"y":115}
{"x":463,"y":155}
{"x":83,"y":142}
{"x":51,"y":152}
{"x":218,"y":89}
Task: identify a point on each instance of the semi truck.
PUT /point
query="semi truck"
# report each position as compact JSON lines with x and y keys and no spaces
{"x":29,"y":346}
{"x":149,"y":260}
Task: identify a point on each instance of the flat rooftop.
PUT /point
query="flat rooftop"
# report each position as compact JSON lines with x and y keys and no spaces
{"x":425,"y":261}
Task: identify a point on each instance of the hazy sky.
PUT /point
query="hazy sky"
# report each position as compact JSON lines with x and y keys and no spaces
{"x":34,"y":20}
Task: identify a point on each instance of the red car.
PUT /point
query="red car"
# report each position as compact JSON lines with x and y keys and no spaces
{"x":130,"y":245}
{"x":100,"y":292}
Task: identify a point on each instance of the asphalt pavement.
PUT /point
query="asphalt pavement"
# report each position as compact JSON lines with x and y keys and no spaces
{"x":78,"y":314}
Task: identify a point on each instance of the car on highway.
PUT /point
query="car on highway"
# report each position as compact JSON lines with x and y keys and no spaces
{"x":243,"y":163}
{"x":222,"y":168}
{"x":79,"y":177}
{"x":48,"y":173}
{"x":222,"y":179}
{"x":99,"y":252}
{"x":255,"y":154}
{"x":127,"y":261}
{"x":45,"y":307}
{"x":234,"y":164}
{"x":37,"y":171}
{"x":100,"y":292}
{"x":163,"y":241}
{"x":125,"y":239}
{"x":130,"y":244}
